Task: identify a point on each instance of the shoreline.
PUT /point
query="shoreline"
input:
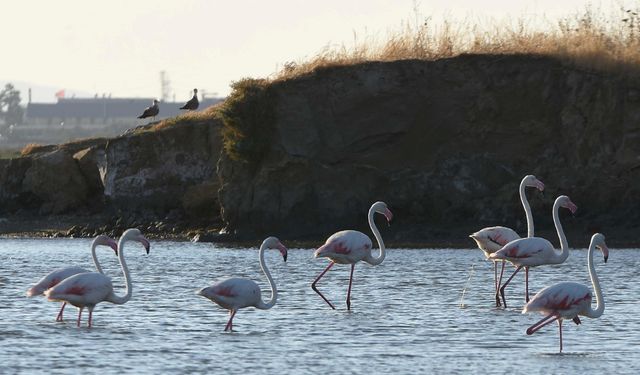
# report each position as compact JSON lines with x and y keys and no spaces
{"x":92,"y":225}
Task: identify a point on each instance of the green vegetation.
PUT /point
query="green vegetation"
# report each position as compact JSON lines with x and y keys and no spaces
{"x":248,"y":118}
{"x":591,"y":38}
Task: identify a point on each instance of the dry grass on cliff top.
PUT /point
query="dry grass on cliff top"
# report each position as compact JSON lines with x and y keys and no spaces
{"x":590,"y":38}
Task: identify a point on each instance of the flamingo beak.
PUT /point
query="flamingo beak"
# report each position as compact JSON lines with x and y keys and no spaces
{"x":145,"y":243}
{"x":387,"y":214}
{"x":572,"y":207}
{"x":114,"y":245}
{"x":283,"y":251}
{"x":605,"y":252}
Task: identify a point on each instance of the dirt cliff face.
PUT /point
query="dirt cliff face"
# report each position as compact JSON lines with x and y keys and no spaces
{"x":445,"y":144}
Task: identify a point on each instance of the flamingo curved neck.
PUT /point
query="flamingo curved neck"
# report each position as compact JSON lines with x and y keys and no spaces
{"x":564,"y":246}
{"x":591,"y":313}
{"x":527,"y":209}
{"x":94,"y":244}
{"x":274,"y":290}
{"x":119,"y":300}
{"x":370,"y":259}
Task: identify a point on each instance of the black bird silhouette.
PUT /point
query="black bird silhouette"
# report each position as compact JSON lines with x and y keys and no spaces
{"x":193,"y":103}
{"x":151,"y":111}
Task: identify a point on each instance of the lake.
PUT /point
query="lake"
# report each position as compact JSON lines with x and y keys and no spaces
{"x":420,"y":311}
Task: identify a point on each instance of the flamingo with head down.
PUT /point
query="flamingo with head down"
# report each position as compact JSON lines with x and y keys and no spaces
{"x":89,"y":289}
{"x":569,"y":300}
{"x":492,"y":239}
{"x":236,"y":293}
{"x":535,"y":251}
{"x":350,"y":247}
{"x":54,"y":277}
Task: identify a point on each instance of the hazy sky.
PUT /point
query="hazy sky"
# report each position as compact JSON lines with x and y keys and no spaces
{"x":120,"y":46}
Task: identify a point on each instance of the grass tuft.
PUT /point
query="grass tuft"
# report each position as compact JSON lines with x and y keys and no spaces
{"x":248,"y":120}
{"x":590,"y":38}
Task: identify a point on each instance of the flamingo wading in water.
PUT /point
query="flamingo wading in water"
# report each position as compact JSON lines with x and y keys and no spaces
{"x":350,"y":247}
{"x":53,"y":278}
{"x":89,"y":289}
{"x":568,"y":300}
{"x":492,"y":239}
{"x":235,"y":293}
{"x":535,"y":251}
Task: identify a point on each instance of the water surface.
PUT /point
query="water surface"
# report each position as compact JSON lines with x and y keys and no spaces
{"x":420,"y":311}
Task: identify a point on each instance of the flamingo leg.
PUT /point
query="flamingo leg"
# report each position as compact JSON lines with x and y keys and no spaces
{"x":498,"y":303}
{"x":313,"y":285}
{"x":79,"y":316}
{"x":59,"y":317}
{"x":560,"y":330}
{"x":349,"y":290}
{"x":542,"y":322}
{"x":504,"y":301}
{"x":526,"y":284}
{"x":229,"y":326}
{"x":90,"y":316}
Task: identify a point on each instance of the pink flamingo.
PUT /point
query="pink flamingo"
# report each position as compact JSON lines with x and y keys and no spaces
{"x":535,"y":251}
{"x":235,"y":293}
{"x":492,"y":239}
{"x":56,"y":276}
{"x":350,"y":247}
{"x":568,"y":300}
{"x":89,"y":289}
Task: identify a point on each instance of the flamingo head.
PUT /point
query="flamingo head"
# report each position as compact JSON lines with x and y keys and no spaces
{"x":565,"y":202}
{"x":381,"y":208}
{"x":106,"y":241}
{"x":598,"y":239}
{"x":532,"y":181}
{"x":274,"y":243}
{"x":134,"y":234}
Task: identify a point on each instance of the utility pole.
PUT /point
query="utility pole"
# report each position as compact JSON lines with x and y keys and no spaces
{"x":165,"y":86}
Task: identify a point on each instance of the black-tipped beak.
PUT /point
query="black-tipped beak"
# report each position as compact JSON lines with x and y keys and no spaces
{"x":606,"y":258}
{"x":284,"y":257}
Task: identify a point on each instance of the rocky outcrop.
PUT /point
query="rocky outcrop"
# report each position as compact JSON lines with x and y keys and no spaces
{"x":154,"y":170}
{"x":445,"y":144}
{"x":152,"y":173}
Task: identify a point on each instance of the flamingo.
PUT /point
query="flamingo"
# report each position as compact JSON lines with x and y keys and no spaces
{"x":235,"y":293}
{"x":568,"y":300}
{"x":492,"y":239}
{"x":350,"y":247}
{"x":535,"y":251}
{"x":193,"y":103}
{"x":89,"y":289}
{"x":56,"y":276}
{"x":151,"y":111}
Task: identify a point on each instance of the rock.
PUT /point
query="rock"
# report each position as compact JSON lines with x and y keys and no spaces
{"x":56,"y":179}
{"x":151,"y":170}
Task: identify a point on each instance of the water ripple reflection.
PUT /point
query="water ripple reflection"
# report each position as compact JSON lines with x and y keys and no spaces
{"x":416,"y":312}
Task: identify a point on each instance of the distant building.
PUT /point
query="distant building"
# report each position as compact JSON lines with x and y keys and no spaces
{"x":77,"y":118}
{"x":100,"y":112}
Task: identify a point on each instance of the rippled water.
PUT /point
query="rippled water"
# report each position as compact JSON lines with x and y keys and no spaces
{"x":409,"y":315}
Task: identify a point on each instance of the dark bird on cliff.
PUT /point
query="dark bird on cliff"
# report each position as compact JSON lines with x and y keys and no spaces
{"x":193,"y":103}
{"x":350,"y":247}
{"x":151,"y":111}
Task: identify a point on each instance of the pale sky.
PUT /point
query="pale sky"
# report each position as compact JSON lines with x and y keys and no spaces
{"x":119,"y":47}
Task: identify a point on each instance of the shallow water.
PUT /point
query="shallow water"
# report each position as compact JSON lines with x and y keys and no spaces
{"x":420,"y":311}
